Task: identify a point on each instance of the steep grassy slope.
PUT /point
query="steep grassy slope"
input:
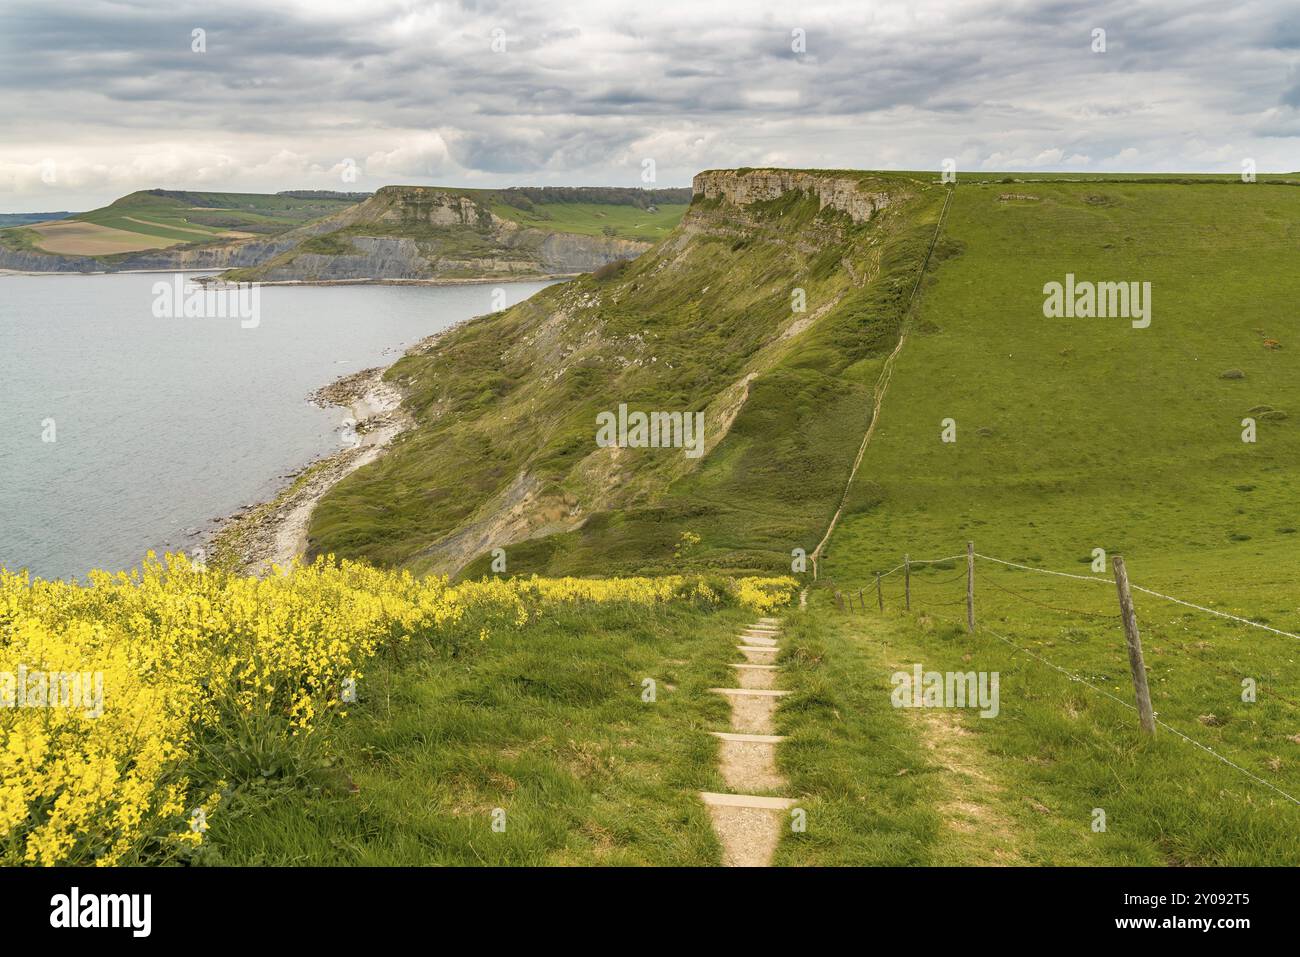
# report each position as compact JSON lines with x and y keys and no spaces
{"x":504,"y":453}
{"x":421,"y":232}
{"x":1075,"y":434}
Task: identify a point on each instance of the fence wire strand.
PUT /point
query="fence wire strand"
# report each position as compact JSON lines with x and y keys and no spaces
{"x":941,"y":581}
{"x":1046,"y":571}
{"x":1144,"y":590}
{"x":1211,"y":611}
{"x":1073,"y":611}
{"x":1204,"y":747}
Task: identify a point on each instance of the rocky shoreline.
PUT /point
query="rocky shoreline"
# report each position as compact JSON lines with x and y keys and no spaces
{"x":255,"y":540}
{"x":437,"y":281}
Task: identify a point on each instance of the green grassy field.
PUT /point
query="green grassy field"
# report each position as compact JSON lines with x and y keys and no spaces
{"x":183,"y":217}
{"x":947,"y":787}
{"x":549,"y":726}
{"x":1075,"y":434}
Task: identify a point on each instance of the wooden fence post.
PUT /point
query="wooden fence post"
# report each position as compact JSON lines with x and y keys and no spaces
{"x":907,"y":582}
{"x":880,"y":595}
{"x":839,"y":599}
{"x":970,"y":587}
{"x":1146,"y":715}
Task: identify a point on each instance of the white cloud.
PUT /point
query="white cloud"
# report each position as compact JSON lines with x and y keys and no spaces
{"x":411,"y":91}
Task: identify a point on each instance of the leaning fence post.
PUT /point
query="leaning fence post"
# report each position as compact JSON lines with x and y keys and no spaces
{"x":880,"y":595}
{"x":907,"y":582}
{"x":862,"y":602}
{"x":1135,"y":663}
{"x":970,"y":587}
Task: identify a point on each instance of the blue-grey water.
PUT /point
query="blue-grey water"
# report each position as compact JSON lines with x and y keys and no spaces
{"x":160,"y":425}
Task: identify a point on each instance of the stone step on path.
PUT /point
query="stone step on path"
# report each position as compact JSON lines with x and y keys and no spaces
{"x":755,"y":676}
{"x":749,"y":824}
{"x":752,"y":710}
{"x":749,"y":827}
{"x":748,"y":761}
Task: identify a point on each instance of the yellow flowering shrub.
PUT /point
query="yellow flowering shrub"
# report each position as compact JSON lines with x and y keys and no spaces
{"x":185,"y":657}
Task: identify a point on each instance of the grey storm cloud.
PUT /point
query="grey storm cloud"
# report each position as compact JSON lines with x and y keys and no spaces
{"x":111,"y":95}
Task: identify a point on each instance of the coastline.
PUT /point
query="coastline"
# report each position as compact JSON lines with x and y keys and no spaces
{"x":434,"y":281}
{"x":210,"y":275}
{"x":107,"y":272}
{"x":275,"y":532}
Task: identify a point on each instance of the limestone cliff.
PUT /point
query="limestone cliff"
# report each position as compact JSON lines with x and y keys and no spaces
{"x":742,"y":187}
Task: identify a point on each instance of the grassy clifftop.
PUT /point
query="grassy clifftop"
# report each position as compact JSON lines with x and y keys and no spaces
{"x":768,"y":310}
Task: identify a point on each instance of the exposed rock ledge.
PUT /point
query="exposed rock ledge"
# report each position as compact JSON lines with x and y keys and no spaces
{"x":741,"y":187}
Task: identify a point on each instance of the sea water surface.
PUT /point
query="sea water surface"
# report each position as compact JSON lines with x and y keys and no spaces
{"x":159,"y":426}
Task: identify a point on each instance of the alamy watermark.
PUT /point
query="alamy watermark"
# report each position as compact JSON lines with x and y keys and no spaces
{"x":1100,"y":300}
{"x":182,"y":299}
{"x":75,"y":909}
{"x":651,"y":430}
{"x":34,"y":688}
{"x":950,"y":689}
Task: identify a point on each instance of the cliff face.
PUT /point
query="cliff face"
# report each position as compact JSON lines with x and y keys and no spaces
{"x":377,"y":257}
{"x":569,"y":252}
{"x":848,"y":194}
{"x":421,"y":206}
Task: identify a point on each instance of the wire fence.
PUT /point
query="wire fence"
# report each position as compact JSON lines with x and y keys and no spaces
{"x":1190,"y":740}
{"x":1124,"y":617}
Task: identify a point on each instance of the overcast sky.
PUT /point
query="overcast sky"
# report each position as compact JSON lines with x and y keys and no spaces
{"x":101,"y":98}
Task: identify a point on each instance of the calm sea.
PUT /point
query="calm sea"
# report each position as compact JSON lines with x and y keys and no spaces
{"x":159,"y":425}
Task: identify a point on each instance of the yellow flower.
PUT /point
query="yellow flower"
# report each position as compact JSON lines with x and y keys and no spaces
{"x":177,"y":651}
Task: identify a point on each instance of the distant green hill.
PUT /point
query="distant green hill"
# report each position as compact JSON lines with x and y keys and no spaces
{"x":24,"y":219}
{"x":428,"y":232}
{"x":150,"y":220}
